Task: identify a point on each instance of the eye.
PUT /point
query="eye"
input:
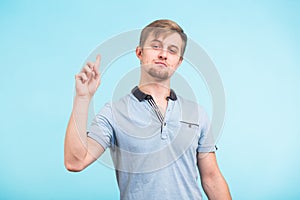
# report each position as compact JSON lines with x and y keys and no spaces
{"x":155,"y":46}
{"x":173,"y":51}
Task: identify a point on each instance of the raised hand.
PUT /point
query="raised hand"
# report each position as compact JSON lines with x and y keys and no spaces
{"x":88,"y":79}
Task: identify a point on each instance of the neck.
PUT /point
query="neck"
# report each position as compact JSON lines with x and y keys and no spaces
{"x":158,"y":91}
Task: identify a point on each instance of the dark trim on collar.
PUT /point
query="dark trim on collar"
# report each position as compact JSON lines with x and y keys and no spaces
{"x":142,"y":96}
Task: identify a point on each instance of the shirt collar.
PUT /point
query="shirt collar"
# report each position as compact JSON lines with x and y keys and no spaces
{"x":142,"y":96}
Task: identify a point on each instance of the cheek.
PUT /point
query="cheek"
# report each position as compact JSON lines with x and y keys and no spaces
{"x":147,"y":57}
{"x":145,"y":60}
{"x":174,"y":62}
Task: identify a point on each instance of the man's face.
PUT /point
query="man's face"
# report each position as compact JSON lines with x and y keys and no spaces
{"x":160,"y":57}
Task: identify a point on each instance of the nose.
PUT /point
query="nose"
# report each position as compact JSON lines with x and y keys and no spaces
{"x":163,"y":54}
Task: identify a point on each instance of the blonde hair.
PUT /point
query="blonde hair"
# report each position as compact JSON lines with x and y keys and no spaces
{"x":163,"y":26}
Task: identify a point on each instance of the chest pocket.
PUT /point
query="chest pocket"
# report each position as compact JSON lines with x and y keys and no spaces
{"x":189,"y":123}
{"x":191,"y":132}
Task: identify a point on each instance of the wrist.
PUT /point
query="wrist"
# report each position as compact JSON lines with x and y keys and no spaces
{"x":82,"y":98}
{"x":81,"y":104}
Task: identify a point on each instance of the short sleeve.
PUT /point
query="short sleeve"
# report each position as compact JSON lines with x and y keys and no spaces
{"x":101,"y":129}
{"x":207,"y":142}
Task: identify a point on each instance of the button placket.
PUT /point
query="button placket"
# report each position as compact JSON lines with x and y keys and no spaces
{"x":164,"y":132}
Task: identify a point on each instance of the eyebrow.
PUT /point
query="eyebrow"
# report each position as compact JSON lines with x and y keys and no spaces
{"x":156,"y":40}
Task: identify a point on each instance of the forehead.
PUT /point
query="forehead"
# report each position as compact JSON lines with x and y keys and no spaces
{"x":168,"y":38}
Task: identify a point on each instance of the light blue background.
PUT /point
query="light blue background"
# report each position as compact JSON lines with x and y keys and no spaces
{"x":255,"y":46}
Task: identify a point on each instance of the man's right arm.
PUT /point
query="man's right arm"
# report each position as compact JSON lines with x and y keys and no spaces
{"x":80,"y":150}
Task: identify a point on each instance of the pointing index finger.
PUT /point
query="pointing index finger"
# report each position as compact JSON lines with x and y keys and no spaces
{"x":97,"y":65}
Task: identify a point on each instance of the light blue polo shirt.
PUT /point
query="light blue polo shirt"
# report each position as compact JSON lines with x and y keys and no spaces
{"x":155,"y":156}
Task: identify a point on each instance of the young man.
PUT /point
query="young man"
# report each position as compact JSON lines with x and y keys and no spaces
{"x":157,"y":139}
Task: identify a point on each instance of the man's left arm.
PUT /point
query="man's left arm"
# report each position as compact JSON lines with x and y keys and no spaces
{"x":212,"y":180}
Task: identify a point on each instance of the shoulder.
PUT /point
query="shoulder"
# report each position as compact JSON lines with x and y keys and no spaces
{"x":120,"y":101}
{"x":117,"y":105}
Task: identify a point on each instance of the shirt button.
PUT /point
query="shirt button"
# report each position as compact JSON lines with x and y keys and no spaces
{"x":148,"y":97}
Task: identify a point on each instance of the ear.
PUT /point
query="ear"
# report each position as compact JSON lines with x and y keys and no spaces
{"x":138,"y":52}
{"x":180,"y":61}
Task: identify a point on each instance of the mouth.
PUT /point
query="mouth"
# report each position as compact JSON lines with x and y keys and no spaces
{"x":161,"y":64}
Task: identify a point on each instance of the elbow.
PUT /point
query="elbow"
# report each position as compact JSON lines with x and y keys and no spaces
{"x":72,"y":162}
{"x":73,"y":167}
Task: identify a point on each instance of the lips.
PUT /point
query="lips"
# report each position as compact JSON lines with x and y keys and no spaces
{"x":161,"y":63}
